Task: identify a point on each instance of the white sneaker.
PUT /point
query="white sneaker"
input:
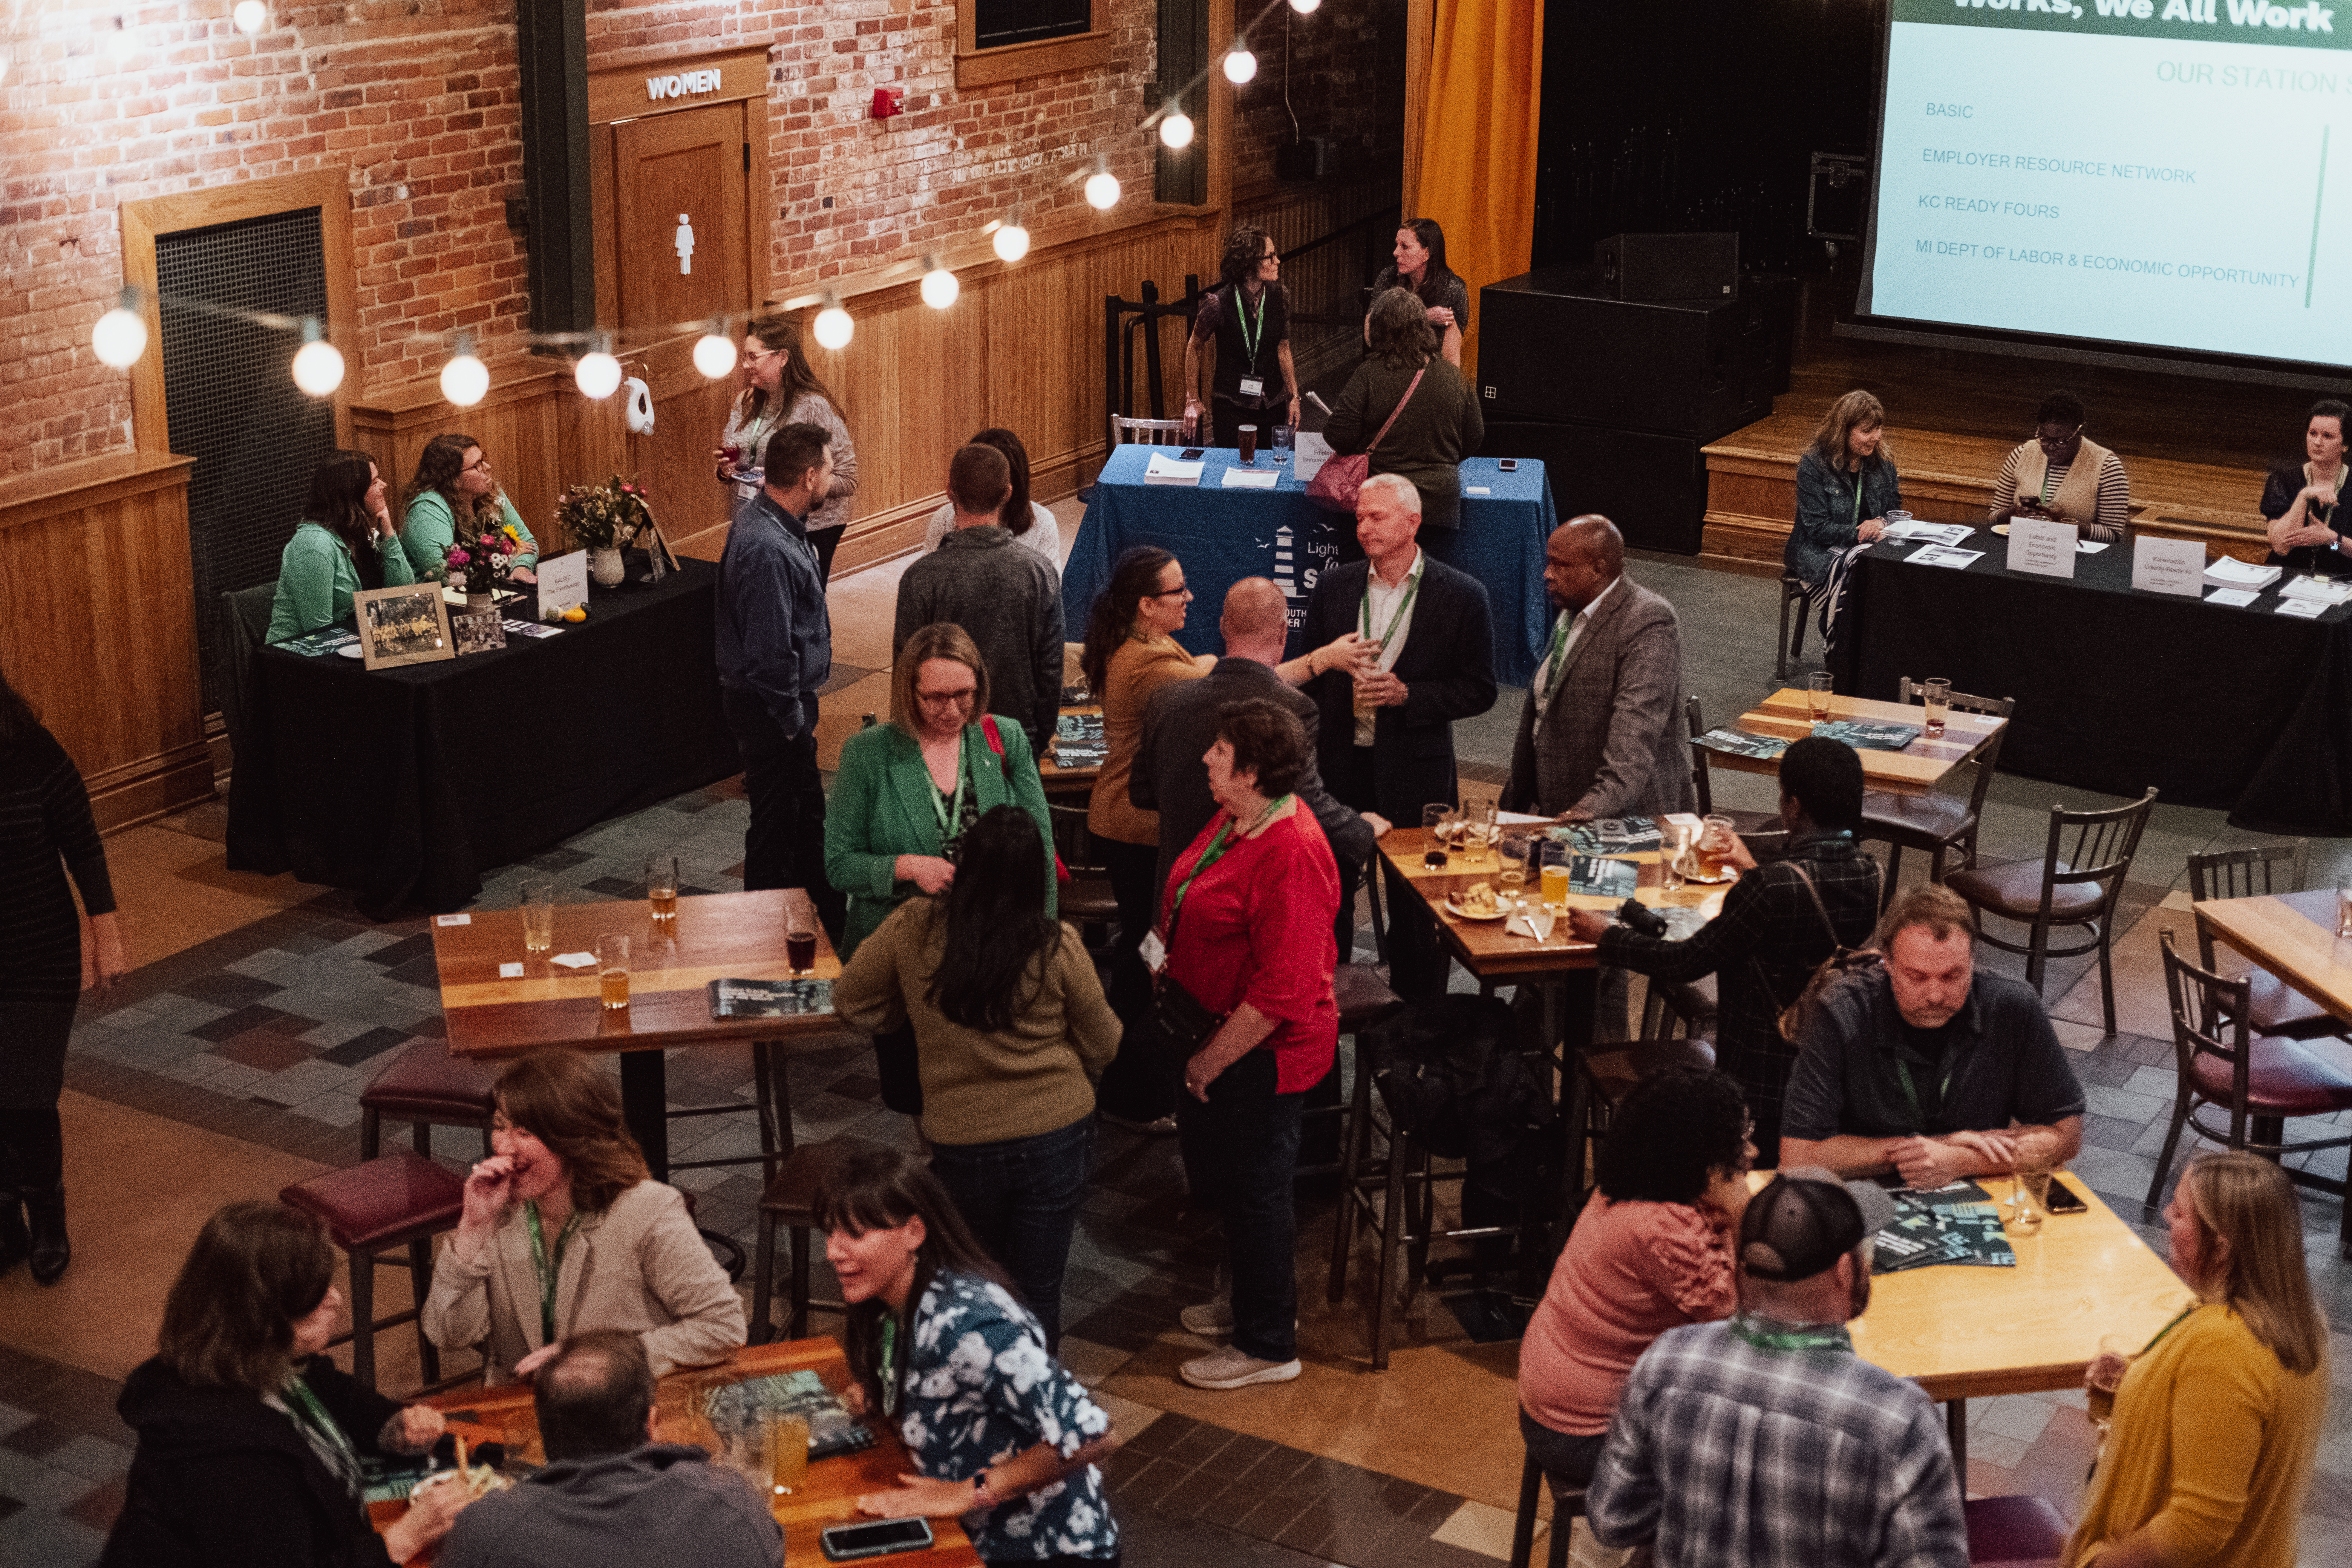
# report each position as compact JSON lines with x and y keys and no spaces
{"x":1211,"y":1320}
{"x":1231,"y":1368}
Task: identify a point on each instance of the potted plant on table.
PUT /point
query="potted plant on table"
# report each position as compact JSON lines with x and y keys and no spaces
{"x":604,"y":518}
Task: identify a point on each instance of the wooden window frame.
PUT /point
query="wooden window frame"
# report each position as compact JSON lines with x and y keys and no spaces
{"x":976,"y":66}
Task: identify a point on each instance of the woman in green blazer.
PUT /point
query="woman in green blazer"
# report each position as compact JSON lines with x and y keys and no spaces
{"x":453,"y":478}
{"x":907,"y":791}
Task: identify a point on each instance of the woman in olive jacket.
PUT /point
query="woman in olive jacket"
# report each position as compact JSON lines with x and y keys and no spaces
{"x":1439,"y":425}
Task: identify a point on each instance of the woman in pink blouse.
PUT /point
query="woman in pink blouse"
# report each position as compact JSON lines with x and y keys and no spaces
{"x":1653,"y":1250}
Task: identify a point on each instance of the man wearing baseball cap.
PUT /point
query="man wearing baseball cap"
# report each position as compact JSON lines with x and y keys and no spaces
{"x":1766,"y":1440}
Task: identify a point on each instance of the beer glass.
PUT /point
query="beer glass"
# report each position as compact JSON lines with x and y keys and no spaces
{"x":661,"y":887}
{"x":1249,"y":445}
{"x":612,"y":972}
{"x":537,"y":913}
{"x":1935,"y":697}
{"x":1817,"y":694}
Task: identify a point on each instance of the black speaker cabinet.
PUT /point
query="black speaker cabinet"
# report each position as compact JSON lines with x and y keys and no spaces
{"x":1653,"y":488}
{"x":1668,"y":266}
{"x":1552,"y":346}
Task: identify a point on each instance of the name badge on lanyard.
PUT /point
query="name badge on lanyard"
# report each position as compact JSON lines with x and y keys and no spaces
{"x":1252,"y":385}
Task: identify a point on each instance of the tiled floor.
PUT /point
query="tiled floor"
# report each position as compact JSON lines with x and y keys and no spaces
{"x":230,"y":1062}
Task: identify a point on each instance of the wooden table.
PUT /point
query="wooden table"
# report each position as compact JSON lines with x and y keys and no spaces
{"x":1964,"y":1332}
{"x":1913,"y":770}
{"x":2292,"y":935}
{"x":829,"y":1498}
{"x":738,"y":936}
{"x":1072,"y":782}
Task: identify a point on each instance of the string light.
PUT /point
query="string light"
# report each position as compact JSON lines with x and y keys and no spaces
{"x":317,"y":367}
{"x":939,"y":285}
{"x":834,"y":328}
{"x":1009,"y":239}
{"x":1176,"y":130}
{"x":119,"y":44}
{"x":598,"y":373}
{"x":465,"y":379}
{"x":121,"y":335}
{"x":1304,"y":8}
{"x":1240,"y":66}
{"x":1102,"y":187}
{"x":714,"y":351}
{"x":250,"y":15}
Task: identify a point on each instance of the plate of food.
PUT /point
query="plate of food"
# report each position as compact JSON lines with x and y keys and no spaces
{"x":1478,"y":902}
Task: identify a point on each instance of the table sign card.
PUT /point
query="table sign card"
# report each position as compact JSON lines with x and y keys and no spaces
{"x":562,"y":583}
{"x":2168,"y":565}
{"x":1310,"y":454}
{"x":2038,"y":544}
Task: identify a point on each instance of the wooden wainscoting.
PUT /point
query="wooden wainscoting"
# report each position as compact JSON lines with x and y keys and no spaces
{"x":98,"y":627}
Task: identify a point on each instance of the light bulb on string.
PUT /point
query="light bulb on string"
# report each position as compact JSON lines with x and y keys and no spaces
{"x":1102,"y":187}
{"x":1304,"y":8}
{"x":1176,"y":130}
{"x":120,"y":44}
{"x":598,"y":373}
{"x":121,"y":335}
{"x":939,"y":285}
{"x":714,"y":351}
{"x":465,"y":379}
{"x":250,"y":15}
{"x":833,"y":327}
{"x":1009,"y":239}
{"x":317,"y":365}
{"x":1240,"y":66}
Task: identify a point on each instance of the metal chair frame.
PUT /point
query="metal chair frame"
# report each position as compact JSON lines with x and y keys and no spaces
{"x":1748,"y":825}
{"x":2104,"y":845}
{"x":1985,"y":762}
{"x":1125,"y":431}
{"x":1797,"y":591}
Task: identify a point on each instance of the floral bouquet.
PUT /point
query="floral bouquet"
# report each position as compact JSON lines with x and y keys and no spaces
{"x":482,"y":562}
{"x":605,"y":515}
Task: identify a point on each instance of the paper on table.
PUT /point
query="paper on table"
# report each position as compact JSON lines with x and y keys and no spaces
{"x":1250,"y":479}
{"x":575,"y":960}
{"x":1944,"y":555}
{"x":1537,"y":923}
{"x":562,"y":583}
{"x":511,"y":971}
{"x":2308,"y":610}
{"x":2236,"y":597}
{"x":1931,"y":533}
{"x":2326,"y":590}
{"x":2232,"y":573}
{"x":453,"y":919}
{"x":2088,"y":547}
{"x":1163,"y":469}
{"x":1309,"y":453}
{"x":1478,"y":489}
{"x":1524,"y":819}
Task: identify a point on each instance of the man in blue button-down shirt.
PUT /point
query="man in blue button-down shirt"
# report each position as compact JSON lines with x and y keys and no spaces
{"x":775,"y":649}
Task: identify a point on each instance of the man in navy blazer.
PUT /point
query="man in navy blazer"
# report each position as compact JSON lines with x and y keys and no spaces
{"x":1434,"y":664}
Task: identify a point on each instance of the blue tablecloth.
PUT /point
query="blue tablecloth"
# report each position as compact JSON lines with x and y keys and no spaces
{"x":1225,"y":535}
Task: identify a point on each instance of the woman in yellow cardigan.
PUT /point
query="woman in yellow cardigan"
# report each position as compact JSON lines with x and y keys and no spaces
{"x":2217,"y":1422}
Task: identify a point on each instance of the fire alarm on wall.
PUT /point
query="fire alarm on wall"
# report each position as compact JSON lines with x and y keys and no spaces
{"x":888,"y":101}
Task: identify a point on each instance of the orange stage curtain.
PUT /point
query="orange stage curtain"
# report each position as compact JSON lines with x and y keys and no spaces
{"x":1478,"y":130}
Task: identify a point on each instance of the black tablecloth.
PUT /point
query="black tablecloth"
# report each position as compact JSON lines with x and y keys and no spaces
{"x":2244,"y":710}
{"x":404,"y":784}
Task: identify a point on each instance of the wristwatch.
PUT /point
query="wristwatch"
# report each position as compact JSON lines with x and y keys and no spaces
{"x":981,"y":1496}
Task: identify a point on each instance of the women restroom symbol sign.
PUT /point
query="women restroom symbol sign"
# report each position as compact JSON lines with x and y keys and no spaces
{"x":685,"y":246}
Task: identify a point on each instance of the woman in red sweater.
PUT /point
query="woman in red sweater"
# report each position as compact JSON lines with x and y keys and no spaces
{"x":1651,"y":1251}
{"x":1246,"y":921}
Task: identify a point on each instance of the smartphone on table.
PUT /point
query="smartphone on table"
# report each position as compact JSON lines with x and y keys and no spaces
{"x":876,"y":1538}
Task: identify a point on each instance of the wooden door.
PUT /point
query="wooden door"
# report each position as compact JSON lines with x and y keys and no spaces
{"x":674,"y":173}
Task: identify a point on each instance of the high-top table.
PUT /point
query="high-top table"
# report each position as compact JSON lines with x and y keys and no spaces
{"x":1915,"y":769}
{"x":735,"y":936}
{"x":828,"y":1497}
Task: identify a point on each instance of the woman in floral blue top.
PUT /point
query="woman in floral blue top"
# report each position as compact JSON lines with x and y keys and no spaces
{"x":1001,"y":1438}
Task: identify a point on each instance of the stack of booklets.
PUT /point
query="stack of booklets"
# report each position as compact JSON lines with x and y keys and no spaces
{"x":1612,"y":836}
{"x":1740,"y":743}
{"x":2232,"y":573}
{"x":1166,"y":471}
{"x":1079,"y":741}
{"x":1959,"y":1223}
{"x":1868,"y":735}
{"x":769,"y":998}
{"x":832,"y":1429}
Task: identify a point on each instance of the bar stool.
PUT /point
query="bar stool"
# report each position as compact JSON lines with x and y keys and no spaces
{"x":1566,"y":1504}
{"x":790,"y":1202}
{"x":427,"y":1086}
{"x":2014,"y":1532}
{"x":1365,"y":1002}
{"x":397,"y":1199}
{"x":1798,"y":591}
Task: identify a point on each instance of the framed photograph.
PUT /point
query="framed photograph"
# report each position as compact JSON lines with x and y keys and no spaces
{"x":478,"y":631}
{"x":407,"y":624}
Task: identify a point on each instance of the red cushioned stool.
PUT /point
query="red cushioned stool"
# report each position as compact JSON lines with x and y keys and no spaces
{"x":426,"y":1086}
{"x":398,"y":1200}
{"x":790,"y":1202}
{"x":2014,"y":1532}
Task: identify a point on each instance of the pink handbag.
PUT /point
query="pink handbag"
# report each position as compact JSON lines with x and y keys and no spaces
{"x":1335,"y":484}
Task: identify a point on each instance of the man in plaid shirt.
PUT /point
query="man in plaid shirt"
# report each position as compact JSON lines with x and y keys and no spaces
{"x":1770,"y":936}
{"x":1765,"y":1441}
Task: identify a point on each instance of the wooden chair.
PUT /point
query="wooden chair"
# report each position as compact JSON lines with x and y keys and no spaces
{"x":1566,"y":1505}
{"x":2260,"y":1080}
{"x":2076,"y":885}
{"x":1935,"y":823}
{"x":2278,"y":1009}
{"x":1798,"y":591}
{"x":1145,"y":432}
{"x":1762,"y":829}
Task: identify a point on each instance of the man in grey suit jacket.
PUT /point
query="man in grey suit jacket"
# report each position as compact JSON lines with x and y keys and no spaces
{"x":1598,"y":735}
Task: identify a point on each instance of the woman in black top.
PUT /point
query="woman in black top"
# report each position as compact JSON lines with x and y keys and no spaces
{"x":1248,"y":318}
{"x":44,"y":831}
{"x":1421,"y":266}
{"x":2299,"y":499}
{"x":1438,"y":426}
{"x":249,"y":1439}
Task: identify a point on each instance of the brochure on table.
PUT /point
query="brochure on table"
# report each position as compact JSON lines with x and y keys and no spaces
{"x":562,"y":583}
{"x":2042,"y":545}
{"x":2168,"y":565}
{"x":1162,"y":469}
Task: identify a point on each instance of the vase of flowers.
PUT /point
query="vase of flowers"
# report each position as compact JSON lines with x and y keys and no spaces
{"x":605,"y":518}
{"x":478,"y":564}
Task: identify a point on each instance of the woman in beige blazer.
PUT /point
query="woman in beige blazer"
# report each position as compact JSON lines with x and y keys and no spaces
{"x":563,"y":1231}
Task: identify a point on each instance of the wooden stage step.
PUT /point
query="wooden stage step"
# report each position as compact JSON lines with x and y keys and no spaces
{"x":1751,"y":489}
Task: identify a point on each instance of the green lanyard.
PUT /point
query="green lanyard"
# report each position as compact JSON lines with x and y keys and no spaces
{"x":1556,"y":656}
{"x":1857,"y":501}
{"x":950,"y":811}
{"x":1902,"y":1071}
{"x":1210,"y":857}
{"x":1769,"y":1336}
{"x":889,"y":1378}
{"x":1251,"y":331}
{"x":304,"y":1406}
{"x":1411,"y":591}
{"x":547,"y":1275}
